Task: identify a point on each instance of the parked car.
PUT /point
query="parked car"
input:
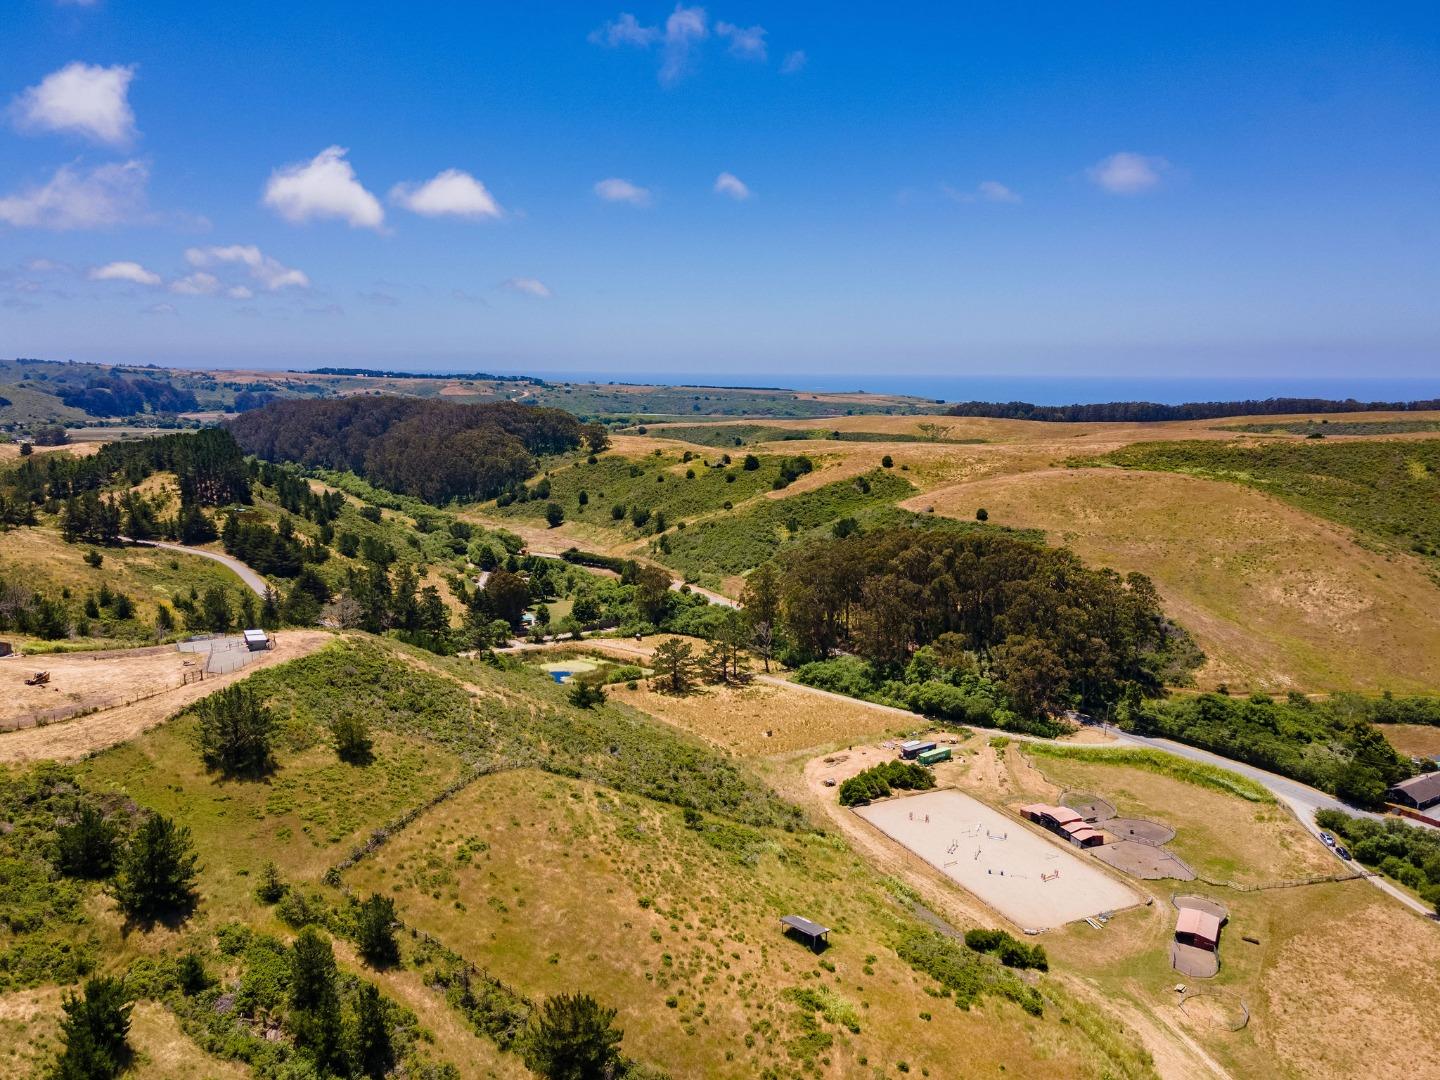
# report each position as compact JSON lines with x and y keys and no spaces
{"x":829,"y":781}
{"x":1328,"y":839}
{"x":1342,"y":852}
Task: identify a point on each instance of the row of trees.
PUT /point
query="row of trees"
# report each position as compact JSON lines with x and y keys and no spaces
{"x":1146,"y":411}
{"x":1331,"y":744}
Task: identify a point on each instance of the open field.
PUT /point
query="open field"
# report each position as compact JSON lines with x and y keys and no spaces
{"x":85,"y":679}
{"x":686,"y":943}
{"x":83,"y":735}
{"x":1276,"y":597}
{"x":1418,"y":740}
{"x":760,"y":719}
{"x":999,"y":859}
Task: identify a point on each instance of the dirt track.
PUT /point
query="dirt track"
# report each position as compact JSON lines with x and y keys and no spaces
{"x":72,"y":739}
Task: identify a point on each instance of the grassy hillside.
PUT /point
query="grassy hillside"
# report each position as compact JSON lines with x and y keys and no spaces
{"x":663,"y":483}
{"x":1324,"y":427}
{"x":1276,"y":597}
{"x":620,"y":858}
{"x":735,"y":542}
{"x":1387,"y":491}
{"x":728,"y":436}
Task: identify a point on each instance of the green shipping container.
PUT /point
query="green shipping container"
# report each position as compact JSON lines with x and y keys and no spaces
{"x":931,"y":757}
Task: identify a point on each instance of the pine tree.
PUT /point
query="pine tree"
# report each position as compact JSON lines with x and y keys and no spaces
{"x":314,"y":998}
{"x":86,"y":847}
{"x":572,"y":1037}
{"x":157,"y":872}
{"x":95,"y":1031}
{"x":371,"y":1050}
{"x":375,"y":931}
{"x":235,"y":733}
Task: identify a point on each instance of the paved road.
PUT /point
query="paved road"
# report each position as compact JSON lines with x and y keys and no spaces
{"x":248,"y":576}
{"x":676,"y":584}
{"x":1302,"y":800}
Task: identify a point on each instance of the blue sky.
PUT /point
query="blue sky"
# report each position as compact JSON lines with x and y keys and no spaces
{"x":737,"y":189}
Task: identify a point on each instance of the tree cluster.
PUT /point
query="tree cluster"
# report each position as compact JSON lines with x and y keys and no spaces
{"x":1330,"y":744}
{"x":116,"y":395}
{"x":1052,"y":633}
{"x":1408,"y":853}
{"x":878,"y":781}
{"x":433,"y":450}
{"x":1147,"y":411}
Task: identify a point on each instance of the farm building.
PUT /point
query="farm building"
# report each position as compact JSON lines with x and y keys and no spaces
{"x":1065,"y":822}
{"x":1418,"y":793}
{"x":1200,"y":929}
{"x":915,"y":747}
{"x":256,"y":640}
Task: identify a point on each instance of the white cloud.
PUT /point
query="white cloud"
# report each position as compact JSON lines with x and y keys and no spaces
{"x":124,"y":271}
{"x":323,"y":187}
{"x":985,"y":191}
{"x":731,"y":185}
{"x":529,"y":286}
{"x":197,"y":284}
{"x":1127,"y":173}
{"x":748,"y":43}
{"x":269,"y":272}
{"x":617,"y":190}
{"x":72,"y":199}
{"x":794,"y":62}
{"x":82,"y":99}
{"x":625,"y":30}
{"x":683,"y":29}
{"x":160,"y":309}
{"x":44,"y":266}
{"x":994,"y":191}
{"x":240,"y":292}
{"x":451,"y":192}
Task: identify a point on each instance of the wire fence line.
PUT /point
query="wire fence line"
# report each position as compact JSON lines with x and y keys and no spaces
{"x":224,"y":654}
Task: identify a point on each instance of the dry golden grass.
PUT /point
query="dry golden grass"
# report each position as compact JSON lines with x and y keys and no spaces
{"x":164,"y":1052}
{"x":90,"y":680}
{"x":1221,"y":837}
{"x":573,"y":887}
{"x":41,"y":560}
{"x":1419,"y":740}
{"x":1350,"y":991}
{"x":760,"y":719}
{"x":80,"y":736}
{"x":29,"y":1030}
{"x":1276,"y":598}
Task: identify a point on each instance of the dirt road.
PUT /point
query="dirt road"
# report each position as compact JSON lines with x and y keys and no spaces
{"x":72,"y":739}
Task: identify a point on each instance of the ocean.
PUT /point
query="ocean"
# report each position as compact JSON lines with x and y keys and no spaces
{"x":1046,"y":389}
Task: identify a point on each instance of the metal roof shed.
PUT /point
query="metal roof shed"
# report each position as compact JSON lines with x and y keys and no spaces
{"x":812,"y":932}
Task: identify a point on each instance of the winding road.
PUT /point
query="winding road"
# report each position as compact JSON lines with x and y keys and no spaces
{"x":249,"y":577}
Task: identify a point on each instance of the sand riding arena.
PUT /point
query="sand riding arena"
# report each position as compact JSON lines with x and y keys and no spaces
{"x":1035,"y":882}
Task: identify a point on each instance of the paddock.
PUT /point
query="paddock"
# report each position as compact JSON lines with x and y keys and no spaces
{"x":1035,"y":882}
